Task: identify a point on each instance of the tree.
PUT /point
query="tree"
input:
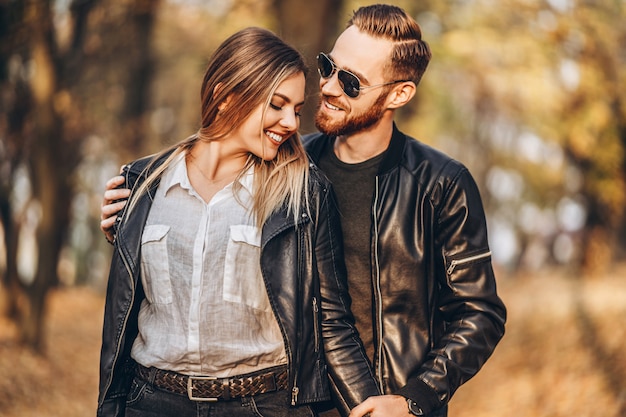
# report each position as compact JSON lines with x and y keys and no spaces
{"x":534,"y":99}
{"x":47,"y":130}
{"x":311,"y":27}
{"x":41,"y":139}
{"x":593,"y":121}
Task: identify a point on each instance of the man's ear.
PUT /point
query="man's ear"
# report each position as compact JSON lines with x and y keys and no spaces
{"x":401,"y":94}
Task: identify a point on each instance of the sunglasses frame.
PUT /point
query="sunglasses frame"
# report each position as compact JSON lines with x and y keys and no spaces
{"x":348,"y":88}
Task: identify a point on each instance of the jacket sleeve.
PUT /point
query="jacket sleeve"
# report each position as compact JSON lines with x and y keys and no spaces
{"x":350,"y":373}
{"x":115,"y":365}
{"x":466,"y":301}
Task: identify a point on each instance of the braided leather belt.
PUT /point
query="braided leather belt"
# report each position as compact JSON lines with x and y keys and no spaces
{"x":207,"y":388}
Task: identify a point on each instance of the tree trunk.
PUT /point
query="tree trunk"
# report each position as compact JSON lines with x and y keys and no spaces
{"x":141,"y":19}
{"x":17,"y":103}
{"x":311,"y":27}
{"x":621,"y":109}
{"x":10,"y":279}
{"x":52,"y":161}
{"x":45,"y":167}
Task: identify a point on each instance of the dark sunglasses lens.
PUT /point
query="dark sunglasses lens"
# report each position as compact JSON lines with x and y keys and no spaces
{"x":351,"y":84}
{"x":324,"y":65}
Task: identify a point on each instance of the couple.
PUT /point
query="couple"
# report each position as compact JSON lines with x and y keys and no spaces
{"x":228,"y":291}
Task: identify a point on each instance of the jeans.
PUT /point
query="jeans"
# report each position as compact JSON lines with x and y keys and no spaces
{"x":145,"y":400}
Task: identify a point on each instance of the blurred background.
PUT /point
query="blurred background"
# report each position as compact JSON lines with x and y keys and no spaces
{"x":529,"y":94}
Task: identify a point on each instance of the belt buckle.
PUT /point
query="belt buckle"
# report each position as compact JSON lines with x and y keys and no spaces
{"x":190,"y":388}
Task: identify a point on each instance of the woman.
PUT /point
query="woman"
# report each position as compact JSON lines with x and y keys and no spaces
{"x":227,"y":291}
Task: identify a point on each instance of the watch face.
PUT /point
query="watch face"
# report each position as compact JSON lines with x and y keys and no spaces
{"x":414,"y":408}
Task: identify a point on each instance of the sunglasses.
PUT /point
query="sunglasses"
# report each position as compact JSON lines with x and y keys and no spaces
{"x":350,"y":83}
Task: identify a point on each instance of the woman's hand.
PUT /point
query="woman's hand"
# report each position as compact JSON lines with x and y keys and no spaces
{"x":114,"y":200}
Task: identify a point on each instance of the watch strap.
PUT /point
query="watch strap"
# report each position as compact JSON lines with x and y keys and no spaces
{"x":414,"y":409}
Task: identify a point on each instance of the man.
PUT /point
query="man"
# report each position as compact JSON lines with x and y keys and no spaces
{"x":419,"y":265}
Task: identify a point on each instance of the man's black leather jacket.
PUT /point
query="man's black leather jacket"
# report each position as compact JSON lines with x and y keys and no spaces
{"x":302,"y":266}
{"x":437,"y":315}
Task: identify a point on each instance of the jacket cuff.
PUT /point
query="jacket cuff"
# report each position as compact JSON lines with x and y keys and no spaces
{"x":423,"y":395}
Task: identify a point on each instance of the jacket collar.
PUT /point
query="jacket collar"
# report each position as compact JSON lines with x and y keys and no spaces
{"x":274,"y":225}
{"x":317,"y":144}
{"x":130,"y":230}
{"x":394,"y":153}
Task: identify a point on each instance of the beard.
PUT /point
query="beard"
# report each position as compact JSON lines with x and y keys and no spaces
{"x":352,"y":124}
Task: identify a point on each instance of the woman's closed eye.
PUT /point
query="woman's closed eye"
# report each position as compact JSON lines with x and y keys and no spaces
{"x":280,"y":108}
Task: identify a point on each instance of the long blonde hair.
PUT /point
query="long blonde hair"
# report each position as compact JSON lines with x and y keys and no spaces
{"x":246,"y":69}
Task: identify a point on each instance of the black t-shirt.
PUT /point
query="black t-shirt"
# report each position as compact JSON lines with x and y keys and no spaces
{"x":354,"y":185}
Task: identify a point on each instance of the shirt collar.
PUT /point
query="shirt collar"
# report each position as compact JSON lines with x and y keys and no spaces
{"x":247,"y":179}
{"x":176,"y":174}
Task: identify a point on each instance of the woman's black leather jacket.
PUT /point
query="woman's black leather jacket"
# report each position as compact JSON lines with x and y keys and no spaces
{"x":437,"y":317}
{"x":302,"y":266}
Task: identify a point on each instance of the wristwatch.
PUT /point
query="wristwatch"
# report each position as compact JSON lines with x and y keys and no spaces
{"x":414,"y":409}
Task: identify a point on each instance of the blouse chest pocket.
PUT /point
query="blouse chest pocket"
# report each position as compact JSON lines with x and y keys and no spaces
{"x":243,"y":283}
{"x":155,"y":270}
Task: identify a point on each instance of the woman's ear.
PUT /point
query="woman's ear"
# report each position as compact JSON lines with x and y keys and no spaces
{"x":401,"y":94}
{"x":225,"y":102}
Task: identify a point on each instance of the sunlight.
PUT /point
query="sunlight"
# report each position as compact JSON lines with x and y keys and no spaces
{"x":570,"y":74}
{"x":505,"y":184}
{"x":571,"y":214}
{"x":27,"y":253}
{"x":561,"y":5}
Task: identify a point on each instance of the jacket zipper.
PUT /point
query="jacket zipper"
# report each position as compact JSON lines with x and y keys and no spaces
{"x":289,"y":351}
{"x":130,"y":307}
{"x":295,"y":390}
{"x":316,"y":324}
{"x":294,"y":395}
{"x":456,"y":262}
{"x":378,"y":292}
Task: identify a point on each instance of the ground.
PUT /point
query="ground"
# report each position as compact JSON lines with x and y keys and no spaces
{"x":561,"y":355}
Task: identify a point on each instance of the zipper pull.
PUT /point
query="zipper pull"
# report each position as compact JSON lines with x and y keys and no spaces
{"x":315,"y":304}
{"x":455,"y":262}
{"x":294,"y":395}
{"x":451,"y":267}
